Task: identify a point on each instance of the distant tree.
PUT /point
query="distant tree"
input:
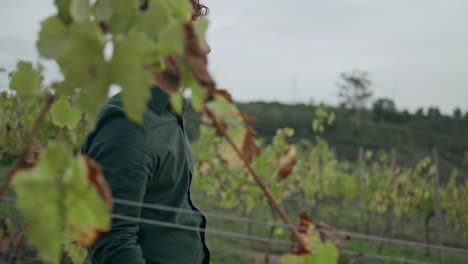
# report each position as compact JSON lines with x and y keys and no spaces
{"x":406,"y":115}
{"x":355,"y":91}
{"x":433,"y":111}
{"x":384,"y":109}
{"x":420,"y":112}
{"x":457,"y":113}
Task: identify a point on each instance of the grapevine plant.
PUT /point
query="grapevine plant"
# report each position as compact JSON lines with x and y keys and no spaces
{"x":96,"y":44}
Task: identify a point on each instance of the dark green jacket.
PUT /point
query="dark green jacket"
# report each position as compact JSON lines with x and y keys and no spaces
{"x":150,"y":163}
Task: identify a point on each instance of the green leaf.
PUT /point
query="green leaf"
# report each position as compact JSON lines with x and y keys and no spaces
{"x":51,"y":37}
{"x":41,"y":186}
{"x":83,"y":65}
{"x":59,"y":184}
{"x":26,"y":80}
{"x":177,"y":103}
{"x":76,"y":252}
{"x":124,"y":13}
{"x":86,"y":213}
{"x":200,"y":29}
{"x":198,"y":97}
{"x":63,"y":7}
{"x":102,"y":10}
{"x":326,"y":253}
{"x":132,"y":55}
{"x":182,"y":10}
{"x":80,"y":10}
{"x":65,"y":115}
{"x":153,"y":20}
{"x":171,"y":39}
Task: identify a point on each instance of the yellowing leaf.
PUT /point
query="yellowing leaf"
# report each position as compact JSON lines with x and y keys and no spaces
{"x":72,"y":195}
{"x":87,"y":215}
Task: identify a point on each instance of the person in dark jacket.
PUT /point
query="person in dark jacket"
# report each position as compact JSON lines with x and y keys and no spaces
{"x":150,"y":163}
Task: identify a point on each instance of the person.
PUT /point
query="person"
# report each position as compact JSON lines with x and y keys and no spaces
{"x":151,"y":163}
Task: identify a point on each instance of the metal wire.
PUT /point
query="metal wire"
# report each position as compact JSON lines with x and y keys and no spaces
{"x":205,"y":230}
{"x":256,"y":238}
{"x":382,"y":257}
{"x":240,"y":235}
{"x":353,"y":235}
{"x":265,"y":223}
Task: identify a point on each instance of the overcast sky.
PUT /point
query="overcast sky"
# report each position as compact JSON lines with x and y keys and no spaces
{"x":293,"y":50}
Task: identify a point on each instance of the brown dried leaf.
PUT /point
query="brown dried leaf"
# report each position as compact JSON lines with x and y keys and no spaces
{"x":327,"y":234}
{"x":287,"y":162}
{"x":96,"y":178}
{"x":306,"y":230}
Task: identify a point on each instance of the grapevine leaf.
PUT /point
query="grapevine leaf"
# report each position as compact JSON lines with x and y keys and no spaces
{"x":188,"y":80}
{"x":198,"y":97}
{"x":287,"y":162}
{"x":128,"y":67}
{"x":87,"y":214}
{"x":243,"y":136}
{"x":102,"y":10}
{"x":76,"y":252}
{"x":65,"y":115}
{"x":326,"y":253}
{"x":51,"y":37}
{"x":63,"y":7}
{"x":41,"y":185}
{"x":182,"y":10}
{"x":196,"y":57}
{"x":177,"y":103}
{"x":73,"y":197}
{"x":26,"y":80}
{"x":200,"y":29}
{"x":171,"y":39}
{"x":124,"y":13}
{"x":97,"y":180}
{"x":306,"y":231}
{"x":80,"y":10}
{"x":153,"y":20}
{"x":83,"y":65}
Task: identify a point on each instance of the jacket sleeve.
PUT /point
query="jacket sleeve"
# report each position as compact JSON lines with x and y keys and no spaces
{"x":118,"y":147}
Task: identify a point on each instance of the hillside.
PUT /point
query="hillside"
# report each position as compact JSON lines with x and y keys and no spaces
{"x":412,"y":135}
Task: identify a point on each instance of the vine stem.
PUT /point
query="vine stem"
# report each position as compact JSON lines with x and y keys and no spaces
{"x":257,"y":178}
{"x":24,"y":154}
{"x":17,"y":243}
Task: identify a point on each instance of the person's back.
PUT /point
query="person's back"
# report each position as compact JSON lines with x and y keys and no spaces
{"x":150,"y":163}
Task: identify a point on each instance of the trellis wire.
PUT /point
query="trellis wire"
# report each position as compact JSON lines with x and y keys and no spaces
{"x":265,"y":223}
{"x":262,"y":239}
{"x":240,"y":235}
{"x":382,"y":257}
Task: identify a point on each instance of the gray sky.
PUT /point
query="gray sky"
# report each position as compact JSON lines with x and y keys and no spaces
{"x":416,"y":51}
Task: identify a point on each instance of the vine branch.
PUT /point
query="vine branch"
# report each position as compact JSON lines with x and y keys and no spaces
{"x":257,"y":178}
{"x":27,"y":149}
